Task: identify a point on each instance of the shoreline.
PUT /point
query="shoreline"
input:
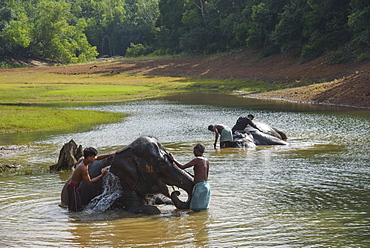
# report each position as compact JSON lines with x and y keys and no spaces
{"x":254,"y":96}
{"x":313,"y":82}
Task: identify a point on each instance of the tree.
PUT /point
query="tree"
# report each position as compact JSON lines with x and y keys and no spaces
{"x":359,"y":20}
{"x":55,"y":39}
{"x":288,"y":31}
{"x":5,"y":19}
{"x":18,"y":31}
{"x":169,"y":23}
{"x":325,"y":27}
{"x":263,"y":20}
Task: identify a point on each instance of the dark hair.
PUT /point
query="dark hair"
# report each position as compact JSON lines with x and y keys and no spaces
{"x":200,"y":147}
{"x":210,"y":127}
{"x":90,"y":152}
{"x":251,"y":116}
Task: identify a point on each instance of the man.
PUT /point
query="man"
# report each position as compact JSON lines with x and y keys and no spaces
{"x":225,"y":134}
{"x":201,"y":191}
{"x":243,"y":122}
{"x":81,"y":173}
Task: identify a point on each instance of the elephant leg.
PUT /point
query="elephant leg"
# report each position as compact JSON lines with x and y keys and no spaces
{"x":132,"y":202}
{"x":159,"y":199}
{"x":148,"y":210}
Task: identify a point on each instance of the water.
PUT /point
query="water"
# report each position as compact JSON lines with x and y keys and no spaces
{"x":313,"y":192}
{"x":112,"y":191}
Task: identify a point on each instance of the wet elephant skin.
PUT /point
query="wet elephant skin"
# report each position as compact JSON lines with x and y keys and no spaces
{"x":143,"y":169}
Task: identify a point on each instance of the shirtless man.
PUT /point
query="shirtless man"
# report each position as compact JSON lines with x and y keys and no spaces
{"x":201,"y":191}
{"x":225,"y":134}
{"x":81,"y":173}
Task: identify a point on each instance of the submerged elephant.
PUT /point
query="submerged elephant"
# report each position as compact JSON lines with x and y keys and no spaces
{"x":269,"y":136}
{"x":143,"y":169}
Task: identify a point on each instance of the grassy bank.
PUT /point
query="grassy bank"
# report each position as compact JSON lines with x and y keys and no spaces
{"x":17,"y":91}
{"x":58,"y":88}
{"x":18,"y":119}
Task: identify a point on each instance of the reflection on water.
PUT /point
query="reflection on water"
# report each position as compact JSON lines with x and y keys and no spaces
{"x":313,"y":192}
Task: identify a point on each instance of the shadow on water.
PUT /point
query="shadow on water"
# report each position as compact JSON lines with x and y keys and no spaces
{"x":230,"y":101}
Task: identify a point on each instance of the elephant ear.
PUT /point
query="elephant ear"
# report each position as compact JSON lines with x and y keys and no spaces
{"x":124,"y":165}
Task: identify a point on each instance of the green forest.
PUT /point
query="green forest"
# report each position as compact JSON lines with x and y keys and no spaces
{"x":74,"y":31}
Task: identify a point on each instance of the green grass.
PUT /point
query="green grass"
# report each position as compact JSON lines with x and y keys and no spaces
{"x":54,"y":88}
{"x":19,"y":119}
{"x":59,"y":90}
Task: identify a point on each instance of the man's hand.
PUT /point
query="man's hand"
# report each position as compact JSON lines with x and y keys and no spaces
{"x":170,"y":156}
{"x":104,"y":170}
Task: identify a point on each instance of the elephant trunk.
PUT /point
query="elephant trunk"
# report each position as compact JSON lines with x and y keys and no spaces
{"x":185,"y":182}
{"x":178,"y":203}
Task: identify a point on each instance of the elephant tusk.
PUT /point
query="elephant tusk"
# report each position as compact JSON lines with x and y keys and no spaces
{"x":173,"y":188}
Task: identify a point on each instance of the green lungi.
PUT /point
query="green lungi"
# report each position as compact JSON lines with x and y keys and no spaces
{"x":201,"y":196}
{"x":226,"y":135}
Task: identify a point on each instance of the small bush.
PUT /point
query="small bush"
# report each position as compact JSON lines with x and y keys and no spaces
{"x":160,"y":52}
{"x":4,"y":65}
{"x":136,"y":50}
{"x":363,"y":57}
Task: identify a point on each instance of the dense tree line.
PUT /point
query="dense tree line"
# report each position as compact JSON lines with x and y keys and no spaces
{"x":72,"y":31}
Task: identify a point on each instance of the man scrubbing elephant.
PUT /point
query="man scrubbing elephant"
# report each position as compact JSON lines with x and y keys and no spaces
{"x":201,"y":192}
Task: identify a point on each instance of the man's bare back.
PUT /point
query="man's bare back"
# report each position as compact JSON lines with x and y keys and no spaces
{"x":201,"y":169}
{"x":201,"y":192}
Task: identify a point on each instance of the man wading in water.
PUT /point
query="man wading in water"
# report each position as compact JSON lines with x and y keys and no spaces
{"x":81,"y":173}
{"x":201,"y":191}
{"x":225,"y":134}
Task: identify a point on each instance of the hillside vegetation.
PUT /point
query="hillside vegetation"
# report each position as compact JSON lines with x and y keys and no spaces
{"x":74,"y":31}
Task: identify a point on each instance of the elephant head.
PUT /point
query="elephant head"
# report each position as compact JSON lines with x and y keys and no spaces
{"x":144,"y":167}
{"x":270,"y":130}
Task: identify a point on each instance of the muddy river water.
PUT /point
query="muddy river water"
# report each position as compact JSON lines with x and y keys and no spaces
{"x":313,"y":192}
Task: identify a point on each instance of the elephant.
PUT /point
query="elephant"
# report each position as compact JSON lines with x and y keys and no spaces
{"x":270,"y":130}
{"x":144,"y":169}
{"x":270,"y":135}
{"x":242,"y":140}
{"x":252,"y":137}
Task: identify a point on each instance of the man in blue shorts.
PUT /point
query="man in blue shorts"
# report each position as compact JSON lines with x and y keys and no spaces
{"x":225,"y":134}
{"x":201,"y":194}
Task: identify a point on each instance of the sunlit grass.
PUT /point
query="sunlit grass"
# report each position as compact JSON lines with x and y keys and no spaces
{"x":18,"y":119}
{"x":59,"y":89}
{"x":54,"y":88}
{"x":47,"y":88}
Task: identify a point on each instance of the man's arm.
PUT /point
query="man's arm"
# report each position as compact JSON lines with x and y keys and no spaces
{"x":86,"y":176}
{"x":217,"y":134}
{"x":254,"y":126}
{"x":183,"y":166}
{"x":103,"y":156}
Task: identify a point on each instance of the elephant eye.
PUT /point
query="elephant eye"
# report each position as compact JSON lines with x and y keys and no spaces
{"x":161,"y":164}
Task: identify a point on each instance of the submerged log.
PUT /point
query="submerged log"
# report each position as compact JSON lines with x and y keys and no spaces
{"x":68,"y":156}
